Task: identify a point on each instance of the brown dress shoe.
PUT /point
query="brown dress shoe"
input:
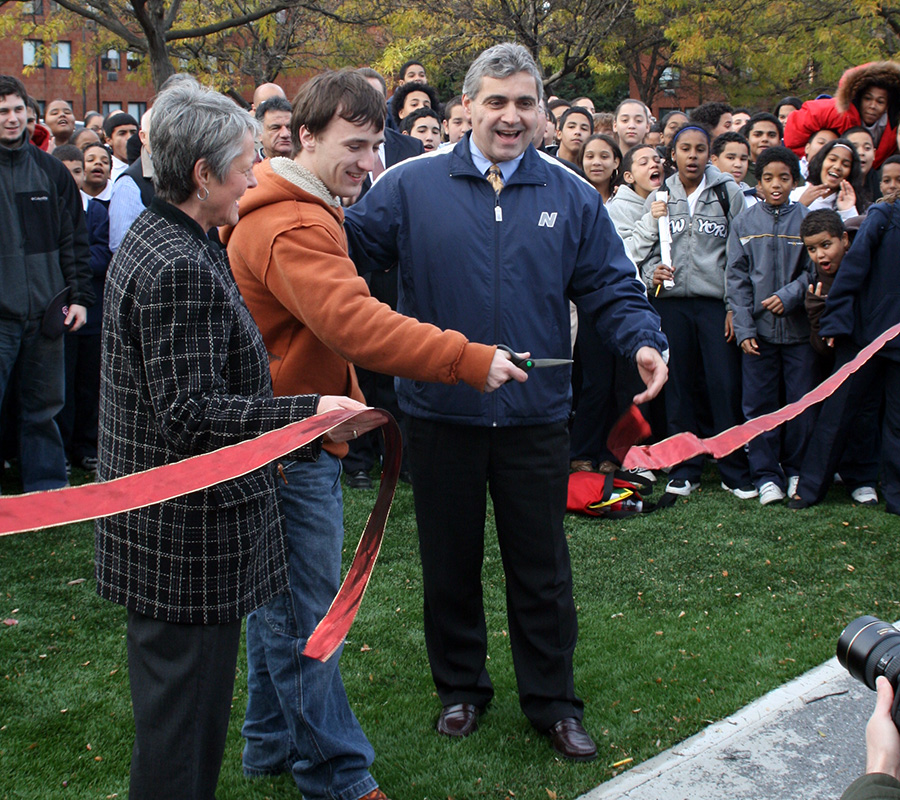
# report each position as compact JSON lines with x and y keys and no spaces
{"x":458,"y":720}
{"x":375,"y":794}
{"x":581,"y":465}
{"x":571,"y":740}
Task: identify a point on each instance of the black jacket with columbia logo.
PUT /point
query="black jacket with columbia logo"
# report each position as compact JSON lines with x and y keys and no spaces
{"x":45,"y":241}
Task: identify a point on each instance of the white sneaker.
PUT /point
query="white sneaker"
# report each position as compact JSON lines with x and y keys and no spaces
{"x":865,"y":495}
{"x":681,"y":488}
{"x":747,"y":492}
{"x":770,"y":493}
{"x":793,"y":483}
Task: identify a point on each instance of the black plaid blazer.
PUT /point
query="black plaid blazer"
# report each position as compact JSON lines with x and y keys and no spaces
{"x":185,"y":371}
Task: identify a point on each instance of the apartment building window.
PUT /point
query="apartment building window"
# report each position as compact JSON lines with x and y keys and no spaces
{"x":111,"y":62}
{"x":61,"y":56}
{"x":670,"y":78}
{"x":133,"y":61}
{"x":108,"y":108}
{"x":33,"y":7}
{"x":29,"y":53}
{"x":137,"y":110}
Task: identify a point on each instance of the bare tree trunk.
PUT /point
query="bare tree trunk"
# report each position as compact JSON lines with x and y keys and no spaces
{"x":150,"y":15}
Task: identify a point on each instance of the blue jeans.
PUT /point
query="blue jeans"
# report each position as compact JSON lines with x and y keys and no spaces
{"x":298,"y":716}
{"x":39,"y":365}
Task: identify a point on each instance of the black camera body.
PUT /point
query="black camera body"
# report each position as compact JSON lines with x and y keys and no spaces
{"x":870,"y":647}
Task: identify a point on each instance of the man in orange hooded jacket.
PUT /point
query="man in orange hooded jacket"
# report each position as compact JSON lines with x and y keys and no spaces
{"x":289,"y":256}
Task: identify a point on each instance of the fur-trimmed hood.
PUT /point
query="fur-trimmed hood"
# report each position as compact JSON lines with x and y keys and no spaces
{"x":856,"y":79}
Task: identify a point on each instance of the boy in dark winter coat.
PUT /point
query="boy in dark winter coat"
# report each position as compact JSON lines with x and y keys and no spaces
{"x":862,"y":304}
{"x":826,"y":241}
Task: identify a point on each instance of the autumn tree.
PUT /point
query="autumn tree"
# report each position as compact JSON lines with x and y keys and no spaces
{"x":563,"y":35}
{"x":161,"y":29}
{"x":292,"y":39}
{"x":758,"y":50}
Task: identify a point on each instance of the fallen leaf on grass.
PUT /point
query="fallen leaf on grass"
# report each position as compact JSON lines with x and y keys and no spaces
{"x":621,"y":763}
{"x":364,"y":649}
{"x":10,"y":622}
{"x":551,"y":794}
{"x":76,"y":581}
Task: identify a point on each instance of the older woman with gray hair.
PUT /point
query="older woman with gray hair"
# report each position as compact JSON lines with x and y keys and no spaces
{"x":184,"y":371}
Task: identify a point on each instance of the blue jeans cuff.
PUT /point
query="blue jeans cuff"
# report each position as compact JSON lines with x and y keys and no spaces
{"x":359,"y":789}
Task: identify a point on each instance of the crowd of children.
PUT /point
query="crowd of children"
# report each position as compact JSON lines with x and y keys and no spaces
{"x":739,"y":240}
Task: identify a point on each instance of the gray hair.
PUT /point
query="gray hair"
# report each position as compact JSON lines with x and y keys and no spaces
{"x":192,"y":123}
{"x":502,"y":61}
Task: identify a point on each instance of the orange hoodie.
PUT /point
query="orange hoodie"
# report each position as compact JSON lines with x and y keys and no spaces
{"x":289,"y":257}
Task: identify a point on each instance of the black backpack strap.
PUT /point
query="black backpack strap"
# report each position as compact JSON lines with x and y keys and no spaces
{"x":723,"y":198}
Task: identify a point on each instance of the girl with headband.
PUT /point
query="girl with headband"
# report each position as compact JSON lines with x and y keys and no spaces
{"x":689,"y":294}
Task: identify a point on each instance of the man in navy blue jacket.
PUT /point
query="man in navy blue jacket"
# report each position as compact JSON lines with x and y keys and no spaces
{"x":500,"y":263}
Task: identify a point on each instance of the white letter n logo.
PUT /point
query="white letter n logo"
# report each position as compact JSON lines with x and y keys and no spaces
{"x":547,"y":219}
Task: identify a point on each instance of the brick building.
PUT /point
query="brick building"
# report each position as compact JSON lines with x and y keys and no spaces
{"x":108,"y":83}
{"x":676,"y":90}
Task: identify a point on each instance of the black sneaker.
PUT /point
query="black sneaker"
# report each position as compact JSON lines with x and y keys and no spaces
{"x":359,"y":480}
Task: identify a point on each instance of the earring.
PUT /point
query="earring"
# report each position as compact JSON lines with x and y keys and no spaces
{"x":201,"y":199}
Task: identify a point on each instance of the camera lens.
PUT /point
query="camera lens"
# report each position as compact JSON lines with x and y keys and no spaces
{"x":870,"y":647}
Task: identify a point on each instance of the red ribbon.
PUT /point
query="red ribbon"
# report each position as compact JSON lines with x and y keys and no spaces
{"x":26,"y":512}
{"x":335,"y":625}
{"x":683,"y":446}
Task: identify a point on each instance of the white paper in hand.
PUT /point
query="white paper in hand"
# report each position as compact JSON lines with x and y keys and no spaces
{"x":665,"y":238}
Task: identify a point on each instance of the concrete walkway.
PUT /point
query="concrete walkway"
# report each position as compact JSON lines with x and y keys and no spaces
{"x":804,"y":740}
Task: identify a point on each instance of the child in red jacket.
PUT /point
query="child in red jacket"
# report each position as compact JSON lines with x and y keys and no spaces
{"x":867,"y":96}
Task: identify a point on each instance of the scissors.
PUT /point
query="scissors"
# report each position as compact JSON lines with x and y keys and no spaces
{"x":532,"y":363}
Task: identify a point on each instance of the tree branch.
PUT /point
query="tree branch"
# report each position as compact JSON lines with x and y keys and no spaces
{"x":134,"y":41}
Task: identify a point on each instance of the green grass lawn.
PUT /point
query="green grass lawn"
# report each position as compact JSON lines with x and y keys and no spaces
{"x":685,"y":616}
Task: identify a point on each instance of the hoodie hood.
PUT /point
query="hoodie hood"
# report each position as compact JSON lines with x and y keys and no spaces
{"x":273,"y":187}
{"x":857,"y":79}
{"x":625,"y":194}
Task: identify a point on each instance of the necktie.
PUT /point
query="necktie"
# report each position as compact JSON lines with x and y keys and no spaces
{"x":495,"y":179}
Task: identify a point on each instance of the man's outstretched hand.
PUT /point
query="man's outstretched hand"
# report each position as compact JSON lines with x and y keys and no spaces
{"x":654,"y":373}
